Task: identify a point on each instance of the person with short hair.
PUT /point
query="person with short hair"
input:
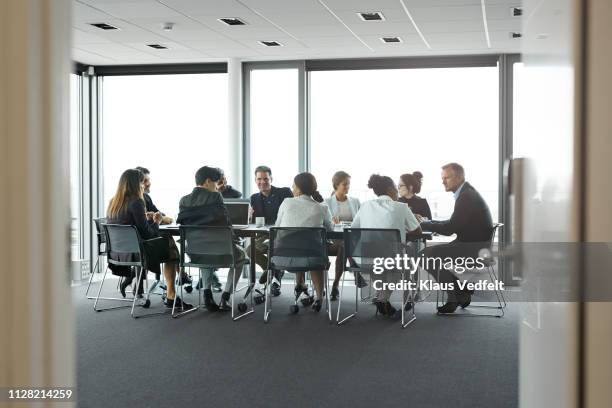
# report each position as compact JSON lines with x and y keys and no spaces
{"x":265,"y":204}
{"x":225,"y":189}
{"x":386,"y":212}
{"x":408,"y":188}
{"x":471,"y":221}
{"x":305,"y":209}
{"x":128,"y":207}
{"x":204,"y":206}
{"x":343,"y":209}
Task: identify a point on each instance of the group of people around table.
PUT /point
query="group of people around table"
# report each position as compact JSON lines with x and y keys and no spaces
{"x":396,"y":207}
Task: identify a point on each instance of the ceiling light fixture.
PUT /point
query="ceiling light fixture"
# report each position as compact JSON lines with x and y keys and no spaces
{"x":371,"y":16}
{"x":389,"y":40}
{"x":231,"y":21}
{"x":104,"y":26}
{"x":270,"y":43}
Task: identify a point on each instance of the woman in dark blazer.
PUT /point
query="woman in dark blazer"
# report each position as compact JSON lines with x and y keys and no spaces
{"x":127,"y":207}
{"x":409,"y":186}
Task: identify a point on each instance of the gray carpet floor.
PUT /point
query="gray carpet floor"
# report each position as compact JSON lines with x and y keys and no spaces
{"x":207,"y":360}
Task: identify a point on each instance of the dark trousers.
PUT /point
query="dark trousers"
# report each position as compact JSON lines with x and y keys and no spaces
{"x":261,"y":255}
{"x":452,"y":250}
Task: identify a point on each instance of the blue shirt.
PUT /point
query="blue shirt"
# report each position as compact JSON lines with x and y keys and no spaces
{"x":456,"y":193}
{"x":268,"y":206}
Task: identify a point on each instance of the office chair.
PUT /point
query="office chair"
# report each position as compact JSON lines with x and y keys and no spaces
{"x":297,"y":249}
{"x":363,"y":245}
{"x":101,"y":252}
{"x":124,"y":247}
{"x":489,"y":264}
{"x":210,"y":248}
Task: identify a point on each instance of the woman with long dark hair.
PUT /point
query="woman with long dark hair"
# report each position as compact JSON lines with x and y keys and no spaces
{"x":128,"y":207}
{"x":305,"y":210}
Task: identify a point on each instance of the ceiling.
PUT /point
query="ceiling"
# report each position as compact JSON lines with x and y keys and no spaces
{"x":307,"y":29}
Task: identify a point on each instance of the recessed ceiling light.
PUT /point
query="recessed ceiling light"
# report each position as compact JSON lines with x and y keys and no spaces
{"x":371,"y":16}
{"x":516,"y":11}
{"x":391,"y":39}
{"x":271,"y":43}
{"x":104,"y":26}
{"x":232,"y":21}
{"x":157,"y":46}
{"x":516,"y":35}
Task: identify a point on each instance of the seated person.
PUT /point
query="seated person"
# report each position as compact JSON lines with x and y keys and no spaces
{"x":225,"y":189}
{"x":306,"y":210}
{"x":408,"y":187}
{"x":204,"y":206}
{"x":266,"y":204}
{"x":386,"y":212}
{"x":151,"y":208}
{"x":128,"y":207}
{"x":471,"y":221}
{"x":343,"y":209}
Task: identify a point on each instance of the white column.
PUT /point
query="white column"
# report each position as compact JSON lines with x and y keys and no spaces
{"x":37,"y":339}
{"x":234,"y":72}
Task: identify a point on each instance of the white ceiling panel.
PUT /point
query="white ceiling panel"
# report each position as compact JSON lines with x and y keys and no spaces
{"x":304,"y":27}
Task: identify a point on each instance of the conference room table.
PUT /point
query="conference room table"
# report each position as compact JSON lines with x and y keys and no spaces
{"x":252,"y":231}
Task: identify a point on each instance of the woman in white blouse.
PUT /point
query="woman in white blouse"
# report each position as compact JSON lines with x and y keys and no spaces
{"x":343,"y":209}
{"x":386,"y":212}
{"x":306,"y":210}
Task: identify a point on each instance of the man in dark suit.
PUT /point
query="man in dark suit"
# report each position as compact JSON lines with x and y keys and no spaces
{"x":471,"y":221}
{"x":204,"y":206}
{"x":266,"y":204}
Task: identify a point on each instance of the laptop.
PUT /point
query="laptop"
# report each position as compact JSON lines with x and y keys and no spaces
{"x":238,"y":213}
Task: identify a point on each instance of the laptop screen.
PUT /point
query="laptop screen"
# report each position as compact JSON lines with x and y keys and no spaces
{"x":238,"y":212}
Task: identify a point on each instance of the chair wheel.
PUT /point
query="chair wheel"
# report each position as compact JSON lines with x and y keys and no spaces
{"x":259,"y":299}
{"x":146,"y":304}
{"x":188,"y":289}
{"x":242,"y":307}
{"x":307,"y":301}
{"x":294,"y":309}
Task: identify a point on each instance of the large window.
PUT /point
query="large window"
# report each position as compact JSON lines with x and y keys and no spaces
{"x":397,"y":121}
{"x":274,"y":125}
{"x":170,"y":124}
{"x":75,"y":165}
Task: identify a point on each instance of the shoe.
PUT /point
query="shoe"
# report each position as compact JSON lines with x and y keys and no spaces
{"x":299,"y":289}
{"x":225,"y":305}
{"x":209,"y":301}
{"x":385,"y":308}
{"x":448,"y":307}
{"x":216,"y":285}
{"x":333,"y":296}
{"x":361,"y":283}
{"x":180,"y":304}
{"x":127,"y":281}
{"x":263,"y":279}
{"x":464,"y":298}
{"x":275,"y":289}
{"x":185,"y":279}
{"x":316,"y":306}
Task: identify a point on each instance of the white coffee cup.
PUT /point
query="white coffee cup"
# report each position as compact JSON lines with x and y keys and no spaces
{"x":260,"y":221}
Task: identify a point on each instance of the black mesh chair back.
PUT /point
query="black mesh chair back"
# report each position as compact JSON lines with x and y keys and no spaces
{"x":206,"y":246}
{"x":100,"y":235}
{"x":365,"y":244}
{"x":123,"y":245}
{"x":298,"y":249}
